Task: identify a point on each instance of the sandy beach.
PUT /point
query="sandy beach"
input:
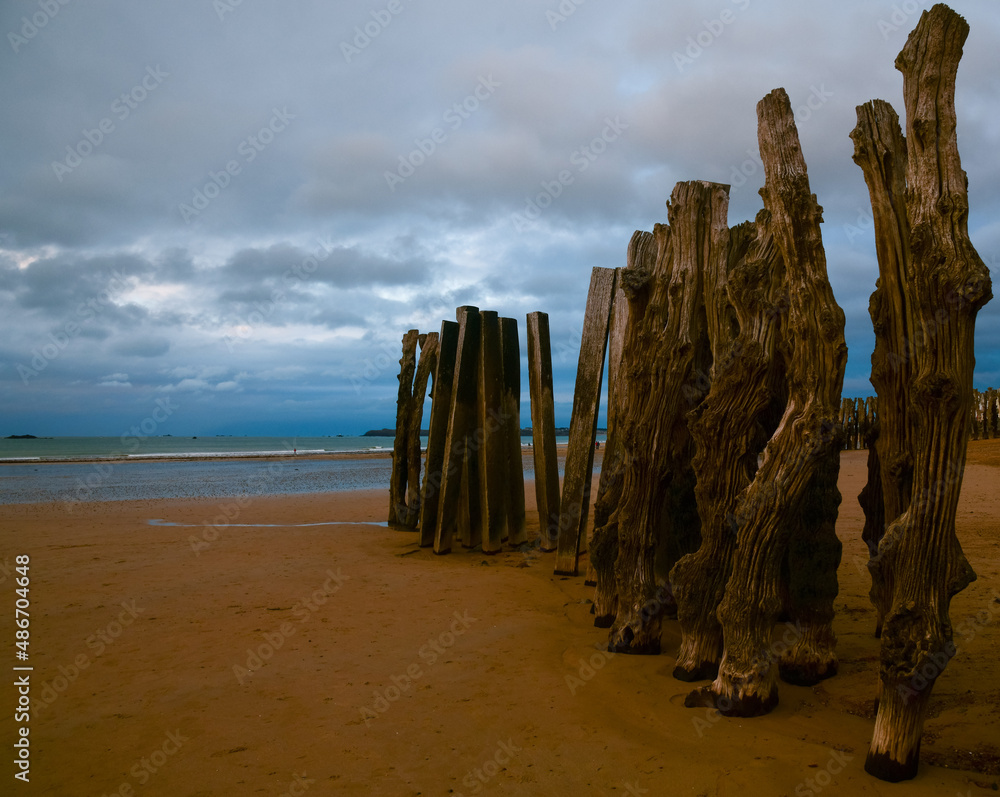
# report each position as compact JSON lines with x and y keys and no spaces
{"x":255,"y":659}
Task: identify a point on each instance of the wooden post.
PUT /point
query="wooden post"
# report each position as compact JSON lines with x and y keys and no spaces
{"x":575,"y":504}
{"x":543,"y":430}
{"x":490,"y":438}
{"x":943,"y":284}
{"x":511,"y":411}
{"x":425,"y":366}
{"x":806,"y":439}
{"x":745,"y":375}
{"x":603,"y":553}
{"x":460,"y":483}
{"x":397,"y":480}
{"x":441,"y":404}
{"x":668,"y":356}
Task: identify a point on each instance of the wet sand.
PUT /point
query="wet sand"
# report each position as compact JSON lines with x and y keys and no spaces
{"x":343,"y":659}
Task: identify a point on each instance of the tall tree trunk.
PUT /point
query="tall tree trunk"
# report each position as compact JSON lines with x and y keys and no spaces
{"x":668,"y":358}
{"x":880,"y":151}
{"x":726,"y":459}
{"x":404,"y":395}
{"x":633,"y":279}
{"x":815,"y":357}
{"x":946,"y":283}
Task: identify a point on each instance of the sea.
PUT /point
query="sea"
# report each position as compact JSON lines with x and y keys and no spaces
{"x":70,"y":470}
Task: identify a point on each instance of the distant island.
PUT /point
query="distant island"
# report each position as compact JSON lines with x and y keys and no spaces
{"x":21,"y":437}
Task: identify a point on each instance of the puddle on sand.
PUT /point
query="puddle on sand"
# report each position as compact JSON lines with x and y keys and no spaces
{"x":381,"y":524}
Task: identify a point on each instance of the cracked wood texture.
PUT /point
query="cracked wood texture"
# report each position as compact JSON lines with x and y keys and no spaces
{"x":640,"y":262}
{"x":814,"y":355}
{"x":666,"y":361}
{"x":747,"y":300}
{"x":880,"y":151}
{"x":425,"y":367}
{"x":459,"y":508}
{"x":489,"y":436}
{"x":510,"y":411}
{"x":575,"y":505}
{"x":398,"y":511}
{"x":945,"y":284}
{"x":444,"y":375}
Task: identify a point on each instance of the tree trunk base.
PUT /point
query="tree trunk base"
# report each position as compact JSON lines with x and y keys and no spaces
{"x":704,"y":671}
{"x":895,"y":749}
{"x":604,"y":620}
{"x":746,"y":705}
{"x":626,"y":641}
{"x":808,"y":670}
{"x":700,"y":654}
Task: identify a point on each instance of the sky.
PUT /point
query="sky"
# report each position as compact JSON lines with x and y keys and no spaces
{"x":236,"y":208}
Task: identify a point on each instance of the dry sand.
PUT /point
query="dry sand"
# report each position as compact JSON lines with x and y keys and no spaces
{"x":479,"y":674}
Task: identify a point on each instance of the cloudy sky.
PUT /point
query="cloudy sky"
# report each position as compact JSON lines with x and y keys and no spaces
{"x":241,"y":206}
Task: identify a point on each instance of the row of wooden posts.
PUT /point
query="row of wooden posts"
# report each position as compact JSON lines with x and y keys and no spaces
{"x":718,"y":497}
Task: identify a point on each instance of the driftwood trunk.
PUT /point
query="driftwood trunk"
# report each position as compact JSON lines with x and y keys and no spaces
{"x":489,"y":437}
{"x":510,"y":410}
{"x":632,"y":280}
{"x":398,"y":514}
{"x":744,"y":373}
{"x":945,"y":284}
{"x":666,"y":378}
{"x":815,"y":356}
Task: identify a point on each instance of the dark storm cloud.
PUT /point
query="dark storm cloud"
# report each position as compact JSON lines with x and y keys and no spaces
{"x":285,"y":188}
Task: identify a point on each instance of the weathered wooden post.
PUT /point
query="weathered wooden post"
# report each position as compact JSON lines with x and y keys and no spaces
{"x":632,"y":281}
{"x":543,"y":430}
{"x":806,"y":437}
{"x":425,"y":367}
{"x":575,"y":505}
{"x":510,"y":410}
{"x":459,"y":510}
{"x":611,"y":467}
{"x":490,"y":437}
{"x":944,"y":285}
{"x":404,"y":394}
{"x":669,"y":356}
{"x":745,"y":376}
{"x":441,"y":403}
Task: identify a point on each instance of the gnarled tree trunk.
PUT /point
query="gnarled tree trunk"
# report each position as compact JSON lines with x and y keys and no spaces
{"x":946,"y":283}
{"x":668,"y":347}
{"x":815,"y":357}
{"x":743,"y":374}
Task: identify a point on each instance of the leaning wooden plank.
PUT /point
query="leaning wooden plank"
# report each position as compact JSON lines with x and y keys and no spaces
{"x":437,"y":430}
{"x":510,"y":411}
{"x":575,"y":504}
{"x":452,"y":515}
{"x":543,"y":430}
{"x":425,"y":366}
